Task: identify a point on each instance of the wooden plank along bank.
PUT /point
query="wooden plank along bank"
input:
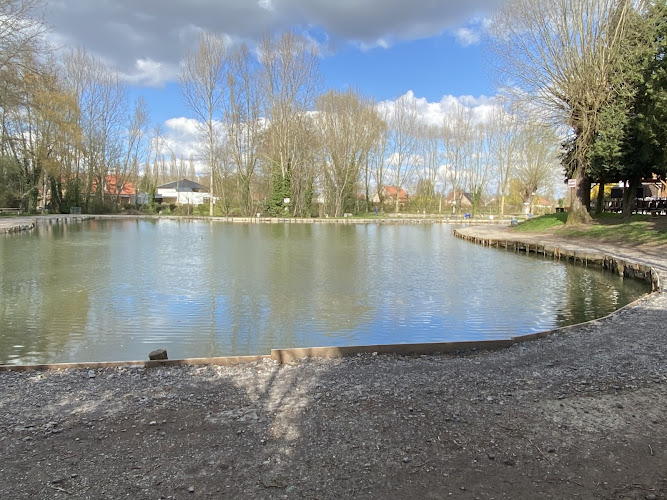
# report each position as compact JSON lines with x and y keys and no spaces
{"x":625,"y":268}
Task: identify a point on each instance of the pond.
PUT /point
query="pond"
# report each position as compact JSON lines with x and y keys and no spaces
{"x":117,"y":289}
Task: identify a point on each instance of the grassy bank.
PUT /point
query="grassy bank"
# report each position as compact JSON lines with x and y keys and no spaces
{"x":610,"y":228}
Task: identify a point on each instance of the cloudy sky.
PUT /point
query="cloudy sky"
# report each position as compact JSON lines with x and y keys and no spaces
{"x":385,"y":48}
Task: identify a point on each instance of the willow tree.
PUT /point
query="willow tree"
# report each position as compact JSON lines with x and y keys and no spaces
{"x":202,"y":87}
{"x":562,"y":53}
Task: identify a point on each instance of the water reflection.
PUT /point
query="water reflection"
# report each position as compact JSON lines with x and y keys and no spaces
{"x":115,"y":290}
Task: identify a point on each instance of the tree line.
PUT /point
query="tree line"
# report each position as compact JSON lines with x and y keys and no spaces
{"x":584,"y":92}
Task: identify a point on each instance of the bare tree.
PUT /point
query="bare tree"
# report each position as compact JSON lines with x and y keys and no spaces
{"x":134,"y":149}
{"x":102,"y":99}
{"x":243,"y":119}
{"x":21,"y":31}
{"x":429,"y":142}
{"x":290,"y":83}
{"x":202,"y":87}
{"x":403,"y":129}
{"x":561,"y":53}
{"x":504,"y":127}
{"x":346,"y":125}
{"x":457,"y":133}
{"x":537,"y":163}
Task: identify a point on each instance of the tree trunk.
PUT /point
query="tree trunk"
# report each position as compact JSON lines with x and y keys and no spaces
{"x":586,"y":193}
{"x":578,"y":213}
{"x":600,"y":199}
{"x":630,"y":197}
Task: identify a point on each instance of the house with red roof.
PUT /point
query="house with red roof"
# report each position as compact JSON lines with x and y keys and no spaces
{"x":389,"y":194}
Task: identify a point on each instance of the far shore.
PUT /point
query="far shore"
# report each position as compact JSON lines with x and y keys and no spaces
{"x":26,"y":222}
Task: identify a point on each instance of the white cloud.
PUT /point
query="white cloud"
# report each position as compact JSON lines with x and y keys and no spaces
{"x":466,"y":37}
{"x":182,"y":137}
{"x":151,"y":73}
{"x":157,"y":32}
{"x":472,"y":32}
{"x":435,"y":113}
{"x":266,"y":4}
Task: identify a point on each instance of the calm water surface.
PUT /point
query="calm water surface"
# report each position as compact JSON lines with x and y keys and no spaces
{"x":115,"y":290}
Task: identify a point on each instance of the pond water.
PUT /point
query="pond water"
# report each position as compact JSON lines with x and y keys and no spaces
{"x":116,"y":290}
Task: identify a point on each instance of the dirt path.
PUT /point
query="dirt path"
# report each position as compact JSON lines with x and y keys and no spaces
{"x":580,"y":414}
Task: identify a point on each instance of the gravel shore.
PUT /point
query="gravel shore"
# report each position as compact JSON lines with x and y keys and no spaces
{"x":580,"y":414}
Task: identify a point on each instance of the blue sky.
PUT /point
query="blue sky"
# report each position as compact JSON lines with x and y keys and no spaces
{"x":384,"y":48}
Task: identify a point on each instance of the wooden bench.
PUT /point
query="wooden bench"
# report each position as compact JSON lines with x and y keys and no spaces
{"x":10,"y":211}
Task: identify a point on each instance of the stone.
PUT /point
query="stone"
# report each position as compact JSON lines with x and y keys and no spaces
{"x":191,"y":489}
{"x":158,"y":354}
{"x":91,"y":374}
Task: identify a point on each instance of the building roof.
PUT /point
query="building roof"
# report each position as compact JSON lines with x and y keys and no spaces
{"x":182,"y":183}
{"x":392,"y":190}
{"x":466,"y":198}
{"x":111,"y":186}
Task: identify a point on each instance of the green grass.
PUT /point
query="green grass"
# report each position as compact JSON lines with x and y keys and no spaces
{"x":610,"y":228}
{"x":542,"y":223}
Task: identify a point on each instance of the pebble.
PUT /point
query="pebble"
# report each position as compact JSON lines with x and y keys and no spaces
{"x":491,"y":456}
{"x":651,"y":496}
{"x":406,"y":460}
{"x":191,"y":489}
{"x":551,"y":449}
{"x":91,"y":374}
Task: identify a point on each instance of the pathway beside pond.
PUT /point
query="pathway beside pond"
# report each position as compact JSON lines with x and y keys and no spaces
{"x":580,"y":414}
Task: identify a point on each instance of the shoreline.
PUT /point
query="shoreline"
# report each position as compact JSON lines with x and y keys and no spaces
{"x":27,"y":222}
{"x":577,"y":414}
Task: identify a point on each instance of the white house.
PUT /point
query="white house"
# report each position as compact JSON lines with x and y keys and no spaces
{"x":182,"y":192}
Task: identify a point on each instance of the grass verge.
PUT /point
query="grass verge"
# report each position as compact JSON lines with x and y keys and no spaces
{"x":610,"y":228}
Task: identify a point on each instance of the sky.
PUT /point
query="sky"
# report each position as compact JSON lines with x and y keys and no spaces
{"x":384,"y":48}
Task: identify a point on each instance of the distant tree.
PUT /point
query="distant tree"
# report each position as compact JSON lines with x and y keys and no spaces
{"x":537,"y":162}
{"x":202,"y":87}
{"x":290,"y":82}
{"x":403,"y":129}
{"x":243,"y":119}
{"x":457,"y":138}
{"x":346,"y":125}
{"x":504,"y":126}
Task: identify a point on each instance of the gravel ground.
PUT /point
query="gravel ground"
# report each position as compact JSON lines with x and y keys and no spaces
{"x":580,"y":414}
